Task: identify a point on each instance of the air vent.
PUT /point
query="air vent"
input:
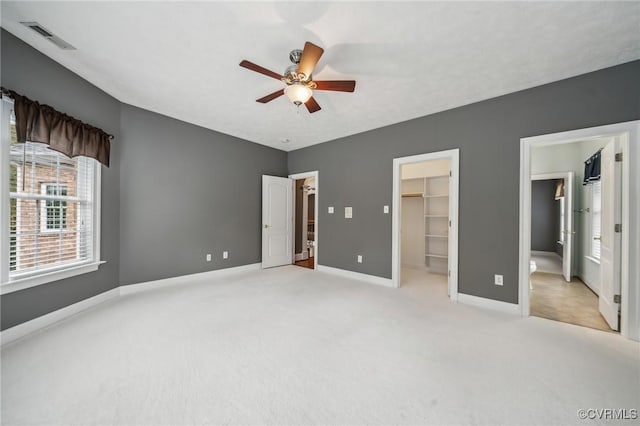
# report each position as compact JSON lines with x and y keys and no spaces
{"x":48,"y":35}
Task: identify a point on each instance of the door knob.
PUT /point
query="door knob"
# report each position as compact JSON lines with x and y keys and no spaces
{"x":266,"y":226}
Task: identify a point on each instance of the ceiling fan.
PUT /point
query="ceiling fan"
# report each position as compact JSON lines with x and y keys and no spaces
{"x":298,"y":78}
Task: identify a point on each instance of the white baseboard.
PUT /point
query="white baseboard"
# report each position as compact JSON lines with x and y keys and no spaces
{"x":593,"y":287}
{"x":546,"y":253}
{"x":37,"y":324}
{"x":147,"y":285}
{"x":496,"y":305}
{"x":386,"y":282}
{"x":301,"y":256}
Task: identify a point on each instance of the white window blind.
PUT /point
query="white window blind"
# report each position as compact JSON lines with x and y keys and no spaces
{"x":51,"y":209}
{"x":596,"y":218}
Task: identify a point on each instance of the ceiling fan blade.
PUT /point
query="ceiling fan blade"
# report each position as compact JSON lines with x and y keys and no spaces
{"x":310,"y":56}
{"x":312,"y":105}
{"x":257,"y":68}
{"x":271,"y":96}
{"x":336,"y":85}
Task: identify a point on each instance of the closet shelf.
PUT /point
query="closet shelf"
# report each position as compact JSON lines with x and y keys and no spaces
{"x":437,"y":256}
{"x":433,"y":208}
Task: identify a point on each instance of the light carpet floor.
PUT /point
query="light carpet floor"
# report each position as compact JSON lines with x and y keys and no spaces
{"x":295,"y":346}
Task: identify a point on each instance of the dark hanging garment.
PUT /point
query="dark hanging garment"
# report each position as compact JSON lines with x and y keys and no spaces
{"x":592,"y":169}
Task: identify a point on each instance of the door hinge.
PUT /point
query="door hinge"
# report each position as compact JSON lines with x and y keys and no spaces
{"x":449,"y":224}
{"x":618,"y":227}
{"x":449,"y":273}
{"x":616,"y":298}
{"x":619,"y":156}
{"x":450,"y":173}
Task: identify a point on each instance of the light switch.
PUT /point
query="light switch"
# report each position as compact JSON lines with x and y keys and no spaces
{"x":386,"y":209}
{"x":330,"y":210}
{"x":348,"y":212}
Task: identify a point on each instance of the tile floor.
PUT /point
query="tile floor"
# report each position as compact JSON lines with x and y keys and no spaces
{"x":572,"y":302}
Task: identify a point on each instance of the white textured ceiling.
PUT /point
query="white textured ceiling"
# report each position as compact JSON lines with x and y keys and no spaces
{"x":409,"y":59}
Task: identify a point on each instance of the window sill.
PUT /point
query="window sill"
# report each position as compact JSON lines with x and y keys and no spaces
{"x":593,"y":259}
{"x":47,"y":277}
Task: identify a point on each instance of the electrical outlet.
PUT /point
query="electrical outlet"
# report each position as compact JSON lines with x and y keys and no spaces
{"x":348,"y":212}
{"x":330,"y":210}
{"x":209,"y":257}
{"x":359,"y":258}
{"x":225,"y":254}
{"x":497,"y":279}
{"x":385,"y":209}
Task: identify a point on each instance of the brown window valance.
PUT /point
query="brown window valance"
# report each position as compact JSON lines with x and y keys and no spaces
{"x":65,"y":134}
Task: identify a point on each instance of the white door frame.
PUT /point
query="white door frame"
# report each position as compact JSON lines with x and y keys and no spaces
{"x":610,"y":214}
{"x":453,"y":155}
{"x":629,"y":133}
{"x":295,"y":177}
{"x":568,"y":212}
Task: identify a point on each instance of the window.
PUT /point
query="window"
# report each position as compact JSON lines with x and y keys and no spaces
{"x":596,"y":218}
{"x":52,"y":211}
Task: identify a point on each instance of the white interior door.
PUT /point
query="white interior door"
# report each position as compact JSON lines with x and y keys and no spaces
{"x":609,"y":239}
{"x":277,"y":221}
{"x":567,"y":248}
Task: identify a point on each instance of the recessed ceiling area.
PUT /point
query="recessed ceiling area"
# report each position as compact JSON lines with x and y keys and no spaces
{"x":409,"y":59}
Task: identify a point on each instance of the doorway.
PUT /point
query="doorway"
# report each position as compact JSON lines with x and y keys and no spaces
{"x":279,"y":224}
{"x":305,"y":220}
{"x":425,"y":221}
{"x":562,"y":224}
{"x":594,"y":288}
{"x":552,"y":223}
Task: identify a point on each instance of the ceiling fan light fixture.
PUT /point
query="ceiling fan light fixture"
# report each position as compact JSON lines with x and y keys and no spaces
{"x":298,"y":93}
{"x":298,"y":80}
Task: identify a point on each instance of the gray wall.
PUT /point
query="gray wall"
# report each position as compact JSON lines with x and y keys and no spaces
{"x":357,"y":171}
{"x":186,"y":191}
{"x":545,"y":215}
{"x":174,"y":191}
{"x":34,"y":75}
{"x":311,"y":208}
{"x":167,"y":165}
